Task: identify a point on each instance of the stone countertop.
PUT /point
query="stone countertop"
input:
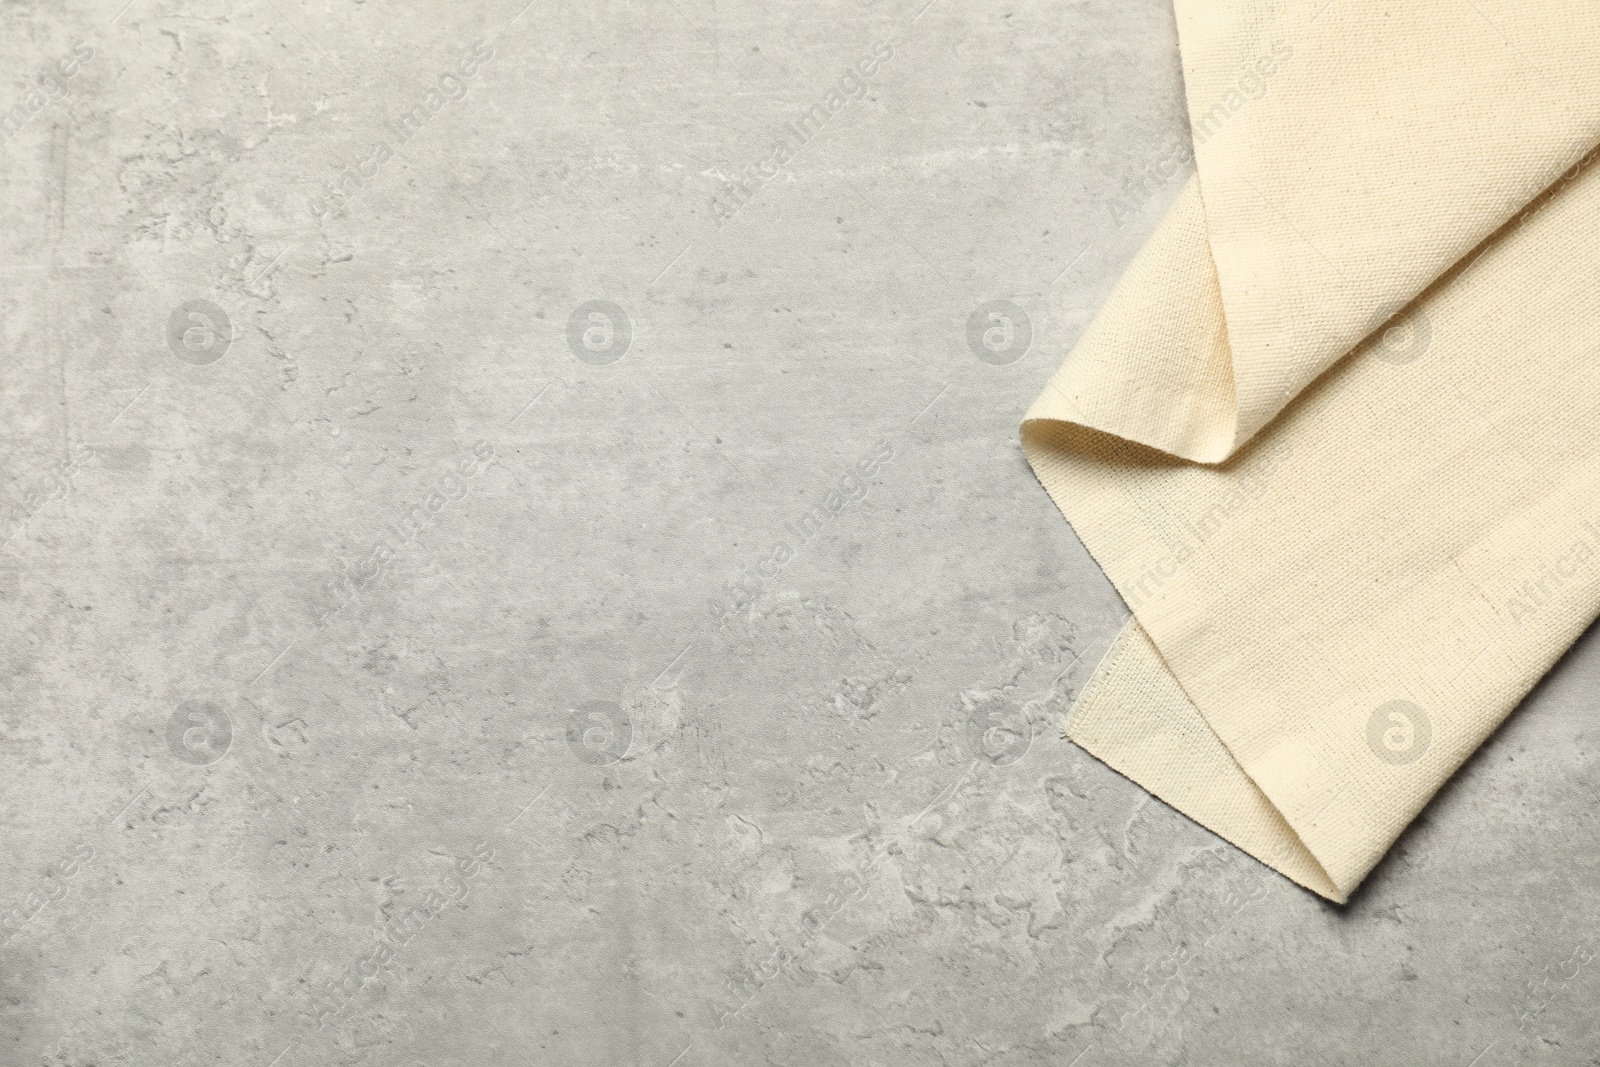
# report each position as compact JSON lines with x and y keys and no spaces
{"x":517,"y":552}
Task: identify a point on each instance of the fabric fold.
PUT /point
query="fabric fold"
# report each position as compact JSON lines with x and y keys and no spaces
{"x":1333,"y":435}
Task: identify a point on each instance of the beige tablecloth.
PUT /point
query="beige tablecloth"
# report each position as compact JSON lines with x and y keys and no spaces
{"x":1334,"y":436}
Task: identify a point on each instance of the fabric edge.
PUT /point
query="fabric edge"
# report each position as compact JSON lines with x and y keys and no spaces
{"x":1224,"y":799}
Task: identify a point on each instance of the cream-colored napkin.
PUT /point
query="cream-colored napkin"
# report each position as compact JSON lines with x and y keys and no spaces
{"x":1335,"y":436}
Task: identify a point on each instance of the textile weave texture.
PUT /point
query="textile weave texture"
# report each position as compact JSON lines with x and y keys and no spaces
{"x":1334,"y":435}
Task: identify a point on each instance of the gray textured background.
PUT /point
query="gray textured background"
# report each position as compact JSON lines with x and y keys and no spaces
{"x":613,"y":782}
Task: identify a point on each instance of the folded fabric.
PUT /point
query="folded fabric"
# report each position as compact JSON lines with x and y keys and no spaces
{"x":1334,"y":435}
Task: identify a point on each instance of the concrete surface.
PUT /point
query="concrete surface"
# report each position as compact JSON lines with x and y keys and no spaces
{"x":484,"y":588}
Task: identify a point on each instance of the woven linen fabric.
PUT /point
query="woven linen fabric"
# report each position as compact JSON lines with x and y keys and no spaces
{"x":1335,"y":435}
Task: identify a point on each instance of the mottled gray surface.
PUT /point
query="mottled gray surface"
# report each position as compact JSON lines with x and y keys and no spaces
{"x":393,"y":676}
